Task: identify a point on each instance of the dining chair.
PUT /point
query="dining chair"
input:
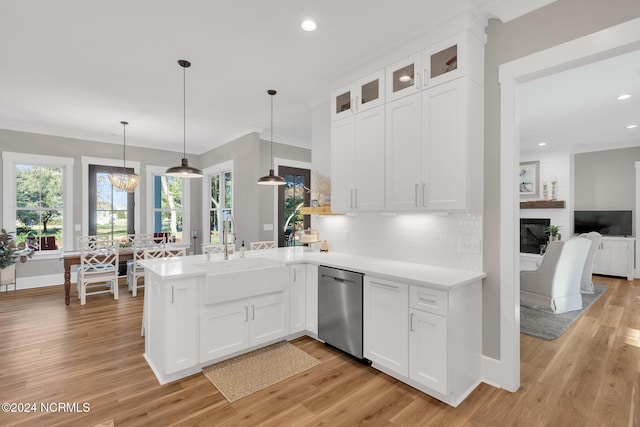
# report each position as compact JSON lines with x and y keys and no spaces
{"x":216,"y":249}
{"x":139,"y":243}
{"x":267,"y":244}
{"x":98,"y":270}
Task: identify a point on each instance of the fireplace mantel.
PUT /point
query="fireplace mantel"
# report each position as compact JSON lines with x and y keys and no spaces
{"x":543,"y":204}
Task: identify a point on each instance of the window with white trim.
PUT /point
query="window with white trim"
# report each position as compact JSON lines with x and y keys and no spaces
{"x":168,"y":204}
{"x":37,"y":202}
{"x":219,"y":199}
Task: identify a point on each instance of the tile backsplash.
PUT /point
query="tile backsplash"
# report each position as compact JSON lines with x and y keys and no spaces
{"x":446,"y":240}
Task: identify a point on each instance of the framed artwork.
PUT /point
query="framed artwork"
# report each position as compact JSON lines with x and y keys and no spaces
{"x":529,"y":180}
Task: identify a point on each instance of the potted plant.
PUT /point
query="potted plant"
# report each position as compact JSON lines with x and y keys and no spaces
{"x":10,"y":252}
{"x":553,"y":231}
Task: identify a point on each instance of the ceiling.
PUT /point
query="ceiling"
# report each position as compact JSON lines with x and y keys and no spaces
{"x":577,"y":110}
{"x":76,"y":68}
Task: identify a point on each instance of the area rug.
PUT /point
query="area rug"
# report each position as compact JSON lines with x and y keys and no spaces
{"x":239,"y":377}
{"x":549,"y":326}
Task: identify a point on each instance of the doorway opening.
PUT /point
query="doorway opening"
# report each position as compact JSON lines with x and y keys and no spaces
{"x":291,"y":197}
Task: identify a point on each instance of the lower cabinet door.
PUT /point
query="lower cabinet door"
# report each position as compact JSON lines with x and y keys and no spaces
{"x":428,"y":350}
{"x":181,"y":347}
{"x":311,"y":317}
{"x":224,"y":329}
{"x":385,"y":311}
{"x":297,"y":291}
{"x":269,"y":318}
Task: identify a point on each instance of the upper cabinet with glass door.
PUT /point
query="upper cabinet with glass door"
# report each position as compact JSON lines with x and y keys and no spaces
{"x":362,"y":95}
{"x":403,"y":77}
{"x":445,"y":61}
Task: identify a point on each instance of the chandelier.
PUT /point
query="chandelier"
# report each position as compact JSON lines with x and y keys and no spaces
{"x":124,"y":181}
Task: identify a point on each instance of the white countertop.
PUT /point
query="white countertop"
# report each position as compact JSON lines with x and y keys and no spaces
{"x":407,"y":272}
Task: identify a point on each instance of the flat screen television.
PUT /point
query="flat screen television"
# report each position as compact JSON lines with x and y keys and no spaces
{"x":616,"y":223}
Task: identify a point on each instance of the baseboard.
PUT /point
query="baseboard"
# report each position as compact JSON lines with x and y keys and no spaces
{"x":492,"y":371}
{"x":42,"y":281}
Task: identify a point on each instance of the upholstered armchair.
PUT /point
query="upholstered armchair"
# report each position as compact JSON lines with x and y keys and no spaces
{"x":586,"y":285}
{"x":555,"y":285}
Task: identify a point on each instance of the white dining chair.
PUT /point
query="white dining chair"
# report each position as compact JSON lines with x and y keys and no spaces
{"x":216,"y":249}
{"x":267,"y":244}
{"x":98,"y":270}
{"x":139,"y":243}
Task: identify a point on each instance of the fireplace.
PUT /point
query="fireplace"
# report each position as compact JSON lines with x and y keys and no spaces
{"x":533,"y":234}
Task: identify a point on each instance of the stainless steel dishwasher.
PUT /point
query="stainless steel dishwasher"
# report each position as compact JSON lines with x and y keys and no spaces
{"x":340,"y":309}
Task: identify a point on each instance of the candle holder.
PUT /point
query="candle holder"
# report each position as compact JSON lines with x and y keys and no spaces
{"x":545,"y":193}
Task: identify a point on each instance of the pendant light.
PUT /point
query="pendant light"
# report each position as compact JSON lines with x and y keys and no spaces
{"x":124,"y":181}
{"x":184,"y":170}
{"x":271,"y":179}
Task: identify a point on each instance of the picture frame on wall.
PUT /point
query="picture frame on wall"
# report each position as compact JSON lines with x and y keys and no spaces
{"x":529,"y":180}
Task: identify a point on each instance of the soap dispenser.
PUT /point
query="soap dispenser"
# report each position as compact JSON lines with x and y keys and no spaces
{"x":243,"y":249}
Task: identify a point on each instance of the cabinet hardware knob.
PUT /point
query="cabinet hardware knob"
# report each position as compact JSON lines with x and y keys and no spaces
{"x":413,"y":316}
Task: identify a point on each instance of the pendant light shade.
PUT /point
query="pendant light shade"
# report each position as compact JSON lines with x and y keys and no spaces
{"x":184,"y":170}
{"x":124,"y":181}
{"x":271,"y":179}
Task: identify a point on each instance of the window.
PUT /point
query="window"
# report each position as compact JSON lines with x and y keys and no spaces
{"x":110,"y":211}
{"x":38,"y":200}
{"x":219,"y":196}
{"x":168,"y":198}
{"x":106,"y":211}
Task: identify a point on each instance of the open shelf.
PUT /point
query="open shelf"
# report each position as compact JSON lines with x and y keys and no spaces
{"x":321,"y":210}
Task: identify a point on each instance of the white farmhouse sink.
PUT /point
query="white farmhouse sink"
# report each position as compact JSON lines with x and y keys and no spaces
{"x":242,"y":278}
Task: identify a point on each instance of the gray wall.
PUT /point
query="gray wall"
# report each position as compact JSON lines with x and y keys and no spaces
{"x":22,"y":142}
{"x":244,"y":152}
{"x":606,"y":180}
{"x":552,"y":25}
{"x":252,"y":205}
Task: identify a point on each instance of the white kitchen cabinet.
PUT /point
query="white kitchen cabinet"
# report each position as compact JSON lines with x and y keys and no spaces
{"x":403,"y":153}
{"x":297,"y":297}
{"x":385,"y":322}
{"x":358,"y":162}
{"x":445,"y":61}
{"x":428,"y":350}
{"x":444,"y":146}
{"x":429,"y":338}
{"x":269,"y":318}
{"x":233,"y":326}
{"x":615,"y":256}
{"x":182,"y":326}
{"x":445,"y":344}
{"x":171,"y":324}
{"x":366,"y":93}
{"x":311,"y":317}
{"x":428,"y":150}
{"x":403,"y":78}
{"x":224,"y":329}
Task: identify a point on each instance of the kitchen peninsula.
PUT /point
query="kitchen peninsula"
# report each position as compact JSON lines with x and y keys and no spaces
{"x":422,"y":324}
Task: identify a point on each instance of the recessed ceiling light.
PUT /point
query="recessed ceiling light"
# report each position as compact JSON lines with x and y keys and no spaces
{"x":632,"y":126}
{"x":542,"y":144}
{"x":308,"y":25}
{"x":405,"y":79}
{"x":623,"y":96}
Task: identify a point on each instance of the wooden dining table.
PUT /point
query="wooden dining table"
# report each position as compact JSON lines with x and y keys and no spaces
{"x":73,"y":258}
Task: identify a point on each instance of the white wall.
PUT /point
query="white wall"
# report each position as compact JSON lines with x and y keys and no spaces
{"x":558,"y":165}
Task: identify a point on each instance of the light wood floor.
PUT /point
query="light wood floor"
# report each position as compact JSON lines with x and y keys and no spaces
{"x":52,"y":353}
